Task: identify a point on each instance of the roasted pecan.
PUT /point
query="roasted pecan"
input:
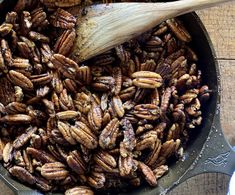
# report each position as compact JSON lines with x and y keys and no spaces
{"x":147,"y":111}
{"x":5,"y":29}
{"x":76,"y":163}
{"x":148,"y":174}
{"x":66,"y":115}
{"x":61,"y":3}
{"x":54,"y":171}
{"x":118,"y":107}
{"x":103,"y":83}
{"x":39,"y":18}
{"x":127,"y":94}
{"x":16,"y":119}
{"x":7,"y":153}
{"x":65,"y":130}
{"x":96,"y":180}
{"x":154,"y":154}
{"x":40,"y":155}
{"x":62,"y":19}
{"x":160,"y":171}
{"x":6,"y":52}
{"x":25,"y":23}
{"x":20,"y":80}
{"x":35,"y":36}
{"x":108,"y":136}
{"x":147,"y":79}
{"x":65,"y":42}
{"x":105,"y":161}
{"x":147,"y":140}
{"x":126,"y":165}
{"x":95,"y":117}
{"x":84,"y":75}
{"x":84,"y":190}
{"x":15,"y":108}
{"x":84,"y":135}
{"x":22,"y":174}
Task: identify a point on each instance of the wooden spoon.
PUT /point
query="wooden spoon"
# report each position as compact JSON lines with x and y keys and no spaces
{"x":108,"y":25}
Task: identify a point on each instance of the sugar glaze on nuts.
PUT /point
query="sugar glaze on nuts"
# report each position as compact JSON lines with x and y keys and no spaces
{"x":111,"y":122}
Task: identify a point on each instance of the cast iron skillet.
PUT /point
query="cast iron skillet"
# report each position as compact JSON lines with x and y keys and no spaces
{"x":208,"y":151}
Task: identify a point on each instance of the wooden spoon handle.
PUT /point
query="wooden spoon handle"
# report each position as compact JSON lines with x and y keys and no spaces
{"x":106,"y":26}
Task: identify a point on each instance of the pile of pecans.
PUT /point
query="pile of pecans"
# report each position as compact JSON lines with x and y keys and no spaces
{"x":110,"y":122}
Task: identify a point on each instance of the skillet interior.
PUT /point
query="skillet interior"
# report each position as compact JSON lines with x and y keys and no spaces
{"x":202,"y":45}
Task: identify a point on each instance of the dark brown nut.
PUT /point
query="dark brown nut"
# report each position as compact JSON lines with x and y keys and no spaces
{"x":61,"y":3}
{"x":103,"y":83}
{"x":46,"y":53}
{"x":21,"y":63}
{"x":127,"y":94}
{"x":62,"y":19}
{"x":65,"y":42}
{"x":64,"y":129}
{"x":159,"y":129}
{"x":35,"y":36}
{"x":67,"y":115}
{"x":18,"y":159}
{"x":84,"y":75}
{"x":118,"y":107}
{"x":65,"y":66}
{"x":104,"y":59}
{"x":147,"y":140}
{"x":66,"y":101}
{"x":40,"y":155}
{"x":83,"y":190}
{"x":96,"y":180}
{"x":16,"y":119}
{"x":160,"y":171}
{"x":7,"y":153}
{"x":204,"y":93}
{"x":5,"y":29}
{"x":108,"y":136}
{"x":129,"y":142}
{"x":25,"y":23}
{"x":84,"y":135}
{"x":2,"y":145}
{"x":50,"y":108}
{"x":95,"y":118}
{"x":148,"y":174}
{"x":70,"y":85}
{"x":105,"y":161}
{"x":15,"y":108}
{"x":56,"y":83}
{"x":19,"y":79}
{"x":147,"y":111}
{"x":178,"y":29}
{"x":54,"y":171}
{"x":28,"y":162}
{"x":43,"y":184}
{"x":76,"y":163}
{"x":126,"y":165}
{"x":11,"y":18}
{"x":3,"y":67}
{"x":117,"y":75}
{"x":22,"y":174}
{"x":154,"y":154}
{"x":39,"y":18}
{"x":82,"y":102}
{"x":6,"y":52}
{"x":155,"y":97}
{"x":189,"y":96}
{"x":165,"y":100}
{"x":24,"y":138}
{"x":147,"y":79}
{"x":169,"y":148}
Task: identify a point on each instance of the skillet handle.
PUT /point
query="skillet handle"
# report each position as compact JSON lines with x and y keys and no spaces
{"x":216,"y":156}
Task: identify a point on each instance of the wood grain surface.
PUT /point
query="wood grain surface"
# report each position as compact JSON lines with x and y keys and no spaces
{"x":220,"y":23}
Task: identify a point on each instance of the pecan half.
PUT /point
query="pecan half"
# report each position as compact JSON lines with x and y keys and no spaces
{"x":95,"y":117}
{"x":147,"y":111}
{"x":64,"y":129}
{"x":75,"y":162}
{"x":148,"y":174}
{"x":105,"y":161}
{"x":54,"y":171}
{"x":19,"y":79}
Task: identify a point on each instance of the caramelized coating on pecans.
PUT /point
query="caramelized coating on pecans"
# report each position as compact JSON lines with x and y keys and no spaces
{"x":110,"y":122}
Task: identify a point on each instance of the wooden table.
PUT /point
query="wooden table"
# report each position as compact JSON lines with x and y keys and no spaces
{"x":220,"y":23}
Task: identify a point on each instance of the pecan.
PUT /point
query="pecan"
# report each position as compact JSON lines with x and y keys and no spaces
{"x":2,"y":145}
{"x":22,"y":174}
{"x":84,"y":190}
{"x":39,"y":18}
{"x":153,"y":156}
{"x":126,"y":165}
{"x":108,"y":136}
{"x":129,"y":141}
{"x":35,"y":36}
{"x":65,"y":100}
{"x":105,"y":161}
{"x":65,"y":42}
{"x":40,"y":155}
{"x":148,"y":174}
{"x":19,"y":79}
{"x":24,"y":138}
{"x":84,"y":75}
{"x":84,"y":135}
{"x":166,"y":99}
{"x":147,"y":79}
{"x":76,"y":163}
{"x":95,"y":117}
{"x":127,"y":94}
{"x":64,"y":129}
{"x":7,"y":153}
{"x":178,"y":29}
{"x":147,"y":111}
{"x":66,"y":66}
{"x":21,"y":63}
{"x":147,"y":140}
{"x":96,"y":180}
{"x":160,"y":171}
{"x":3,"y":67}
{"x":15,"y":108}
{"x":103,"y":83}
{"x":54,"y":171}
{"x":62,"y":19}
{"x":61,"y":3}
{"x":5,"y":29}
{"x":117,"y":75}
{"x":43,"y":184}
{"x":16,"y":119}
{"x":66,"y":115}
{"x":28,"y":162}
{"x":70,"y":85}
{"x":6,"y":52}
{"x":118,"y":107}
